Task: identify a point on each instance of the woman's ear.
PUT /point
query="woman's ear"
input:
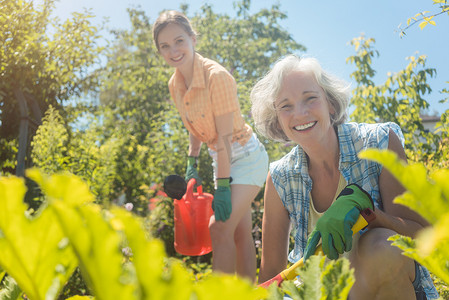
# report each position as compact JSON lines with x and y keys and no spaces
{"x":332,"y":111}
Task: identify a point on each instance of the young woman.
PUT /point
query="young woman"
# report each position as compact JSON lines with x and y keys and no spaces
{"x":298,"y":101}
{"x":205,"y":94}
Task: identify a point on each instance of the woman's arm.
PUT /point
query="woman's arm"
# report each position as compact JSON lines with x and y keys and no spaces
{"x":396,"y":216}
{"x":225,"y":126}
{"x":194,"y":145}
{"x":275,"y":234}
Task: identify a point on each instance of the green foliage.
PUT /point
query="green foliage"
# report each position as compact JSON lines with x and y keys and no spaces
{"x":401,"y":100}
{"x":96,"y":237}
{"x":46,"y":69}
{"x":31,"y":247}
{"x":161,"y":224}
{"x":337,"y":279}
{"x":50,"y":143}
{"x":55,"y":148}
{"x":425,"y":18}
{"x":74,"y":287}
{"x":442,"y":287}
{"x":429,"y":196}
{"x":320,"y":280}
{"x":11,"y":290}
{"x":8,"y":151}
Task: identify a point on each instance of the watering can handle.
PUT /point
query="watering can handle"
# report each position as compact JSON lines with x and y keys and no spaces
{"x":190,"y":186}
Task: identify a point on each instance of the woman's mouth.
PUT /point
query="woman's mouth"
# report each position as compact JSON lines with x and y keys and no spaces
{"x":304,"y":126}
{"x":178,"y":58}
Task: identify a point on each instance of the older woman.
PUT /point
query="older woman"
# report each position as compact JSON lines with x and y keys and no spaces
{"x":300,"y":102}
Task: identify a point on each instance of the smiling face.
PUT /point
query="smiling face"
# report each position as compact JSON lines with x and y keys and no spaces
{"x":176,"y":46}
{"x":302,"y":109}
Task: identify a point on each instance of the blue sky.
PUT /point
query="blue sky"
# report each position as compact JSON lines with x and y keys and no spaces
{"x":325,"y":28}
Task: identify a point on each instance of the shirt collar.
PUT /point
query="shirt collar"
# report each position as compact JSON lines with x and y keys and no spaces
{"x":198,"y":80}
{"x":349,"y":148}
{"x":301,"y":165}
{"x":198,"y":74}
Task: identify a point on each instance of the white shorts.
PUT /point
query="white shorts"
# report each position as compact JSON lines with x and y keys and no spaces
{"x":249,"y":163}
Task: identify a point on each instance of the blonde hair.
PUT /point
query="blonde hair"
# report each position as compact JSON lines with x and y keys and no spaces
{"x":171,"y":17}
{"x":265,"y":91}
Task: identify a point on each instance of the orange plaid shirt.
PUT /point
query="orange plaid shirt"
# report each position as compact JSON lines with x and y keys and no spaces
{"x":213,"y":92}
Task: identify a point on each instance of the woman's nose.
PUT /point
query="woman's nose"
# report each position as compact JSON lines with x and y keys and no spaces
{"x":173,"y":50}
{"x":301,"y":109}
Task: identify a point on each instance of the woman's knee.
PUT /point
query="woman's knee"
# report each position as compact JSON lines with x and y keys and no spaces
{"x":375,"y":252}
{"x":374,"y":243}
{"x":220,"y":232}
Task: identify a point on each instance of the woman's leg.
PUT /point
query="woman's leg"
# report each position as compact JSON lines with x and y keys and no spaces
{"x":381,"y":271}
{"x":232,"y":240}
{"x":245,"y":249}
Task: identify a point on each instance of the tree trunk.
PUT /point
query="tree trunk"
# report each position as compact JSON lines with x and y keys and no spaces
{"x":35,"y":111}
{"x":23,"y":132}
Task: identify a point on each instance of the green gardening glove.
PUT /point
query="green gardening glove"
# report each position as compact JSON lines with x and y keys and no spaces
{"x":334,"y":226}
{"x":191,"y":171}
{"x":221,"y":204}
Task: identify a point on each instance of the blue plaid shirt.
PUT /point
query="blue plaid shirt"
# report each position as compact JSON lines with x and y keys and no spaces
{"x":292,"y":181}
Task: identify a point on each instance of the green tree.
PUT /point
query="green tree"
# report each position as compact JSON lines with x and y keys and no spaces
{"x":38,"y":69}
{"x":401,"y":99}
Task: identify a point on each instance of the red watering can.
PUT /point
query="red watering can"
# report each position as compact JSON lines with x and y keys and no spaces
{"x":192,"y":214}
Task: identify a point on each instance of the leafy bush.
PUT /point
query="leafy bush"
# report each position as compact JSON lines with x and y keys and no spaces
{"x":428,"y":195}
{"x":56,"y":148}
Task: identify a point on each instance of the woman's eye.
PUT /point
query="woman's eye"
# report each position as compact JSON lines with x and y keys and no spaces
{"x":180,"y":41}
{"x":311,"y":98}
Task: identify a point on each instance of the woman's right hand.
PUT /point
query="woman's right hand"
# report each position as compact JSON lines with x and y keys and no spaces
{"x":191,"y":171}
{"x":222,"y":204}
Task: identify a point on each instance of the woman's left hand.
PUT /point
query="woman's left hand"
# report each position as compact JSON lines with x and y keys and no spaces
{"x":334,"y":227}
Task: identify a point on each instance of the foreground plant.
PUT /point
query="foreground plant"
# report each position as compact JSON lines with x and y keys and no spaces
{"x":33,"y":250}
{"x":429,"y":196}
{"x":41,"y":251}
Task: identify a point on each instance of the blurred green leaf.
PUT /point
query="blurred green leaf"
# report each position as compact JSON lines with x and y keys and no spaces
{"x":414,"y":178}
{"x":428,"y":196}
{"x":33,"y":248}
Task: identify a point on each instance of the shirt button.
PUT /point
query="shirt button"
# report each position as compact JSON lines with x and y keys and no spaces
{"x":202,"y":115}
{"x":202,"y":133}
{"x":187,"y":103}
